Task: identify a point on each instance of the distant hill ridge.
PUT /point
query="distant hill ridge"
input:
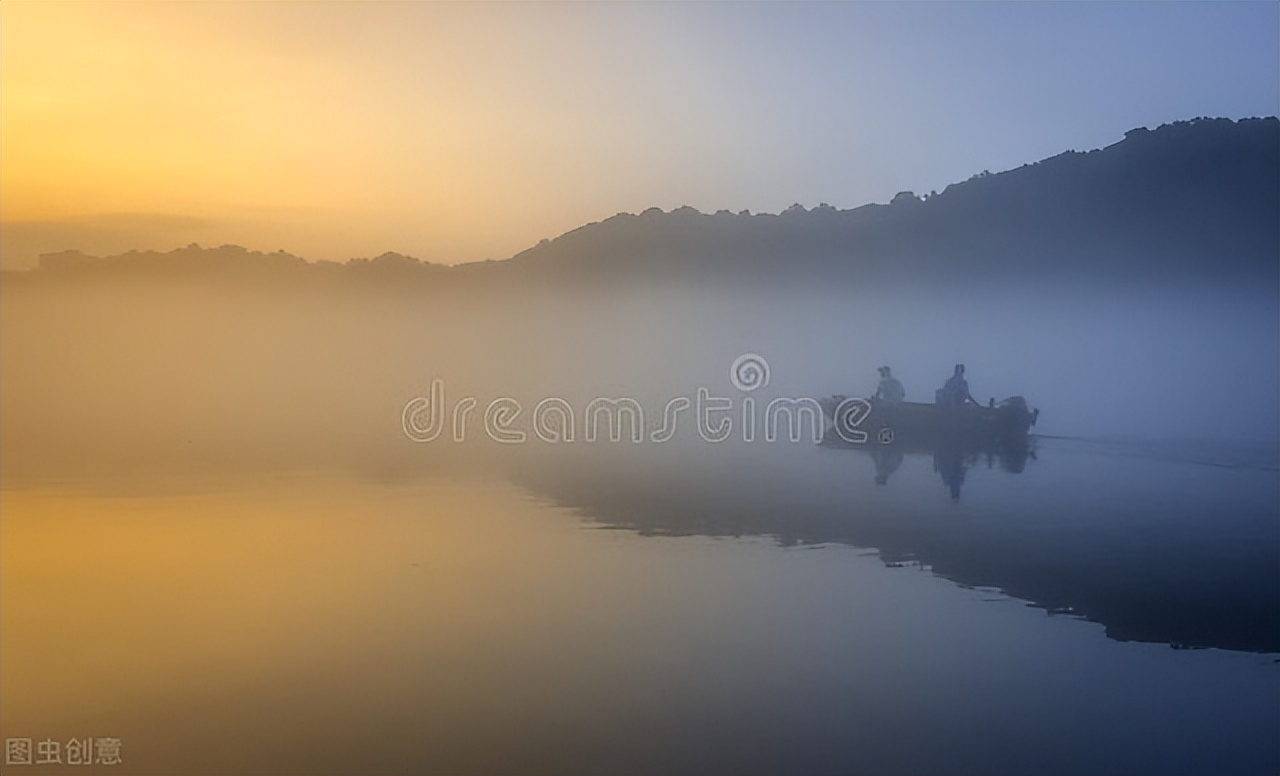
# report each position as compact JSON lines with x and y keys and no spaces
{"x":1197,"y":198}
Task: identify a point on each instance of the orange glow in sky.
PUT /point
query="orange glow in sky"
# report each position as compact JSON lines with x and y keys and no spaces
{"x":231,"y":115}
{"x":458,"y":132}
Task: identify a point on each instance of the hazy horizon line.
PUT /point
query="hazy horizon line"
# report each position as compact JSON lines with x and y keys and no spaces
{"x":114,"y":228}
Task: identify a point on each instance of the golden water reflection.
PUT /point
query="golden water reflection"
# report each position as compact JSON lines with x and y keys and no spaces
{"x":200,"y":618}
{"x":305,"y":626}
{"x":323,"y":624}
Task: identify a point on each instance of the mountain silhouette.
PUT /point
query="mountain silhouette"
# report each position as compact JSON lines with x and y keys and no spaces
{"x":1190,"y":200}
{"x":1196,"y":198}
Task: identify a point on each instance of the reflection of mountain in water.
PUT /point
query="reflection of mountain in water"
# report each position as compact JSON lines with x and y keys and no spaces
{"x":1174,"y":553}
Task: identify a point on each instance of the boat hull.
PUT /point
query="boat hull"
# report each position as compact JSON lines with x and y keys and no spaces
{"x":927,"y":425}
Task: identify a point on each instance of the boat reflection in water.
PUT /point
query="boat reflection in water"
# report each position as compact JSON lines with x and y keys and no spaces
{"x":952,"y":459}
{"x":957,"y":439}
{"x":1157,"y":542}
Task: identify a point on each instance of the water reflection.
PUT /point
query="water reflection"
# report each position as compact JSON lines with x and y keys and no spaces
{"x":951,"y":458}
{"x":453,"y":624}
{"x":949,"y":463}
{"x":887,"y":460}
{"x":1155,"y":548}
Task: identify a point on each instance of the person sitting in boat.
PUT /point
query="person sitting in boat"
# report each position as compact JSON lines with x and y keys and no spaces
{"x":955,"y":393}
{"x":890,"y":390}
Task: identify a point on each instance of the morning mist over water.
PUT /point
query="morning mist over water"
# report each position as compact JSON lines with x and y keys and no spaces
{"x":144,"y":368}
{"x":1126,"y":292}
{"x":210,"y":465}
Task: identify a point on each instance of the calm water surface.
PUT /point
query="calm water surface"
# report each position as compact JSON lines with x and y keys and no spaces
{"x":673,"y":610}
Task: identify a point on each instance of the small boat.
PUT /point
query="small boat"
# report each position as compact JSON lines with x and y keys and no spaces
{"x":870,"y":421}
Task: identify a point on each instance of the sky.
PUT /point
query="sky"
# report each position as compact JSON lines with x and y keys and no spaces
{"x":463,"y":132}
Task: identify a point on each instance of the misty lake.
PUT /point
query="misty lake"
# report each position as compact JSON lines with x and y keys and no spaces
{"x":689,"y":608}
{"x":443,"y":388}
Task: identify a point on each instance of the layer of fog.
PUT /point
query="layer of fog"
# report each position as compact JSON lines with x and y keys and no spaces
{"x":147,"y":373}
